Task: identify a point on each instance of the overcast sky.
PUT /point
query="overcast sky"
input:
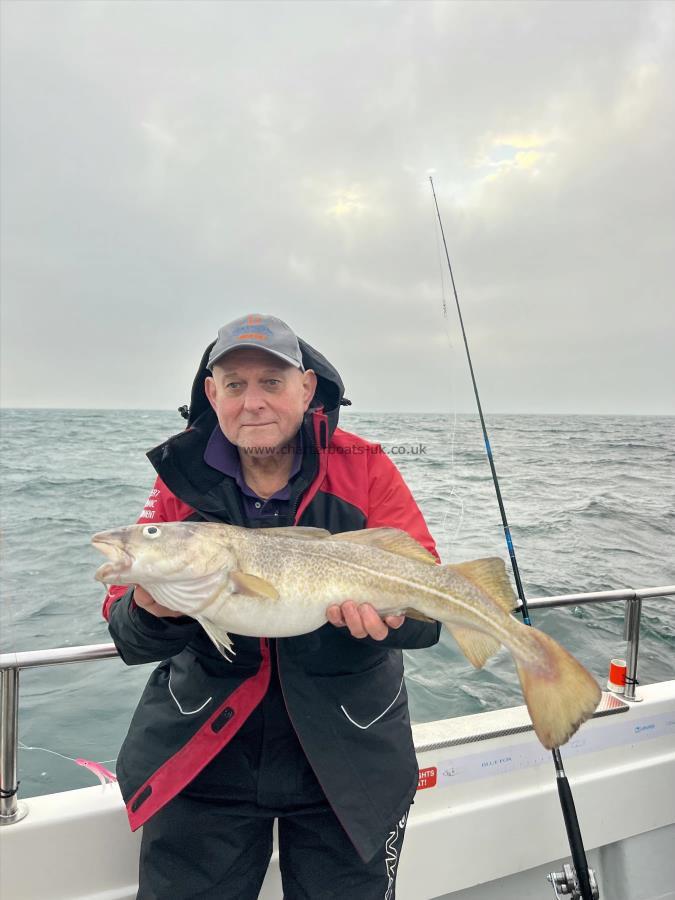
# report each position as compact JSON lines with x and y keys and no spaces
{"x":169,"y":166}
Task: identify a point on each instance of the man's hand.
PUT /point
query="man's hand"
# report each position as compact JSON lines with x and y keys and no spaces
{"x":362,"y":620}
{"x":143,"y":599}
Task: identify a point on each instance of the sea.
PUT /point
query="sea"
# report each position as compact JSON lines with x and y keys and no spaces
{"x":590,"y":501}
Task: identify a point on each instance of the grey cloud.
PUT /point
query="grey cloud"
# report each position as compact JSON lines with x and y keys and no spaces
{"x":168,"y":166}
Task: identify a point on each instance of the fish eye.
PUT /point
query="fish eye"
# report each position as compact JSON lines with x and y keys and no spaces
{"x":151,"y":531}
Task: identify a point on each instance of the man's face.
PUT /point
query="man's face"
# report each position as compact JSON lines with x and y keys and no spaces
{"x":259,"y":400}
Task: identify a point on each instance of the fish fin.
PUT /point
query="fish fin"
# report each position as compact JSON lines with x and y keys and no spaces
{"x":490,"y":576}
{"x":252,"y":586}
{"x":391,"y":539}
{"x":301,"y":532}
{"x":412,"y":613}
{"x":477,"y":646}
{"x":220,"y":638}
{"x":559,"y":692}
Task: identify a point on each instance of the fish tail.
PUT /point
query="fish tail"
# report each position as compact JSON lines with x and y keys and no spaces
{"x":559,"y":692}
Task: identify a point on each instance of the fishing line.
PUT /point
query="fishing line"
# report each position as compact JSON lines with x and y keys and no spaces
{"x":450,"y":432}
{"x":564,"y":790}
{"x":23,"y":746}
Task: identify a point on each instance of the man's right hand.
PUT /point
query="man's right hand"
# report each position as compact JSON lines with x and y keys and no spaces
{"x":143,"y":599}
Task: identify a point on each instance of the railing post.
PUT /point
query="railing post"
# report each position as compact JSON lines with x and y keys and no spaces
{"x":10,"y":808}
{"x":632,"y":635}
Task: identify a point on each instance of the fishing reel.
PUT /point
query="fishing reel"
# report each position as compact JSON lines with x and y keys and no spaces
{"x":566,"y":884}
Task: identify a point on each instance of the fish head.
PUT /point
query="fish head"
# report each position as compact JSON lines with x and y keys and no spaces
{"x":167,"y":551}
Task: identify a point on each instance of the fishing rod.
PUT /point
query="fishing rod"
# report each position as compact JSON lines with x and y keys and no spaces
{"x":585,"y":887}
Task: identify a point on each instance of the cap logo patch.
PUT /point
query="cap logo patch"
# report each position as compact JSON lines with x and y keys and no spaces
{"x":246,"y":334}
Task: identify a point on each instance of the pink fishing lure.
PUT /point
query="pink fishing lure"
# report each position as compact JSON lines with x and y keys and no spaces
{"x":104,"y":775}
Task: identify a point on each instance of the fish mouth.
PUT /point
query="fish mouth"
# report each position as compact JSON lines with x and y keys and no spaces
{"x":120,"y":560}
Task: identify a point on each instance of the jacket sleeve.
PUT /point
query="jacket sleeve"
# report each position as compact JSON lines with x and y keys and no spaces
{"x":139,"y":636}
{"x":392,"y":505}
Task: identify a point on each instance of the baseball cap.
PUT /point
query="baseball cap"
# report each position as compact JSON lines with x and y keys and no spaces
{"x":264,"y":332}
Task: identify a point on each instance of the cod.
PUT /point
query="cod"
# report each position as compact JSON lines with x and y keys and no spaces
{"x":279,"y":582}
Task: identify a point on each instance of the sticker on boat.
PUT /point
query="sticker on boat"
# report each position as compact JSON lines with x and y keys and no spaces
{"x":427,"y":778}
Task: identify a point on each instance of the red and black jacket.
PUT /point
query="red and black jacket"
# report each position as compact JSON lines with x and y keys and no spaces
{"x":345,"y":698}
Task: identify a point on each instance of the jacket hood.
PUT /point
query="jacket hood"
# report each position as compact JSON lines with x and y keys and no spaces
{"x":329,"y":389}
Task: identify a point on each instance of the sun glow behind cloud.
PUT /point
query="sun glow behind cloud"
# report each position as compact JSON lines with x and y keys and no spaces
{"x":347,"y":204}
{"x":510,"y":153}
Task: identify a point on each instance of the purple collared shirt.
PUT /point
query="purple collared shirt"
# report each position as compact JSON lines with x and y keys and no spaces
{"x":223,"y":455}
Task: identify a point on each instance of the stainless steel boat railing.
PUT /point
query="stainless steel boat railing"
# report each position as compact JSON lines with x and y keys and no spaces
{"x":12,"y":810}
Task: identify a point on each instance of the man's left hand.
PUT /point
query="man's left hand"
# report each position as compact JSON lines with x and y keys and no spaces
{"x":362,"y":620}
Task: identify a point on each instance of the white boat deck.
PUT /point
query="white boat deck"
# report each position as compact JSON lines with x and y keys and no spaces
{"x":487,"y":826}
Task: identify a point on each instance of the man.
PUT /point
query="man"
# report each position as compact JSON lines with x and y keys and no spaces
{"x":311,"y":730}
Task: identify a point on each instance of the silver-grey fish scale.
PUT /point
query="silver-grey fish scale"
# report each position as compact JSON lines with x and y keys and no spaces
{"x":369,"y":574}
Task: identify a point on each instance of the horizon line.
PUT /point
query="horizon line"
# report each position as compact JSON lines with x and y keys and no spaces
{"x":344,"y":411}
